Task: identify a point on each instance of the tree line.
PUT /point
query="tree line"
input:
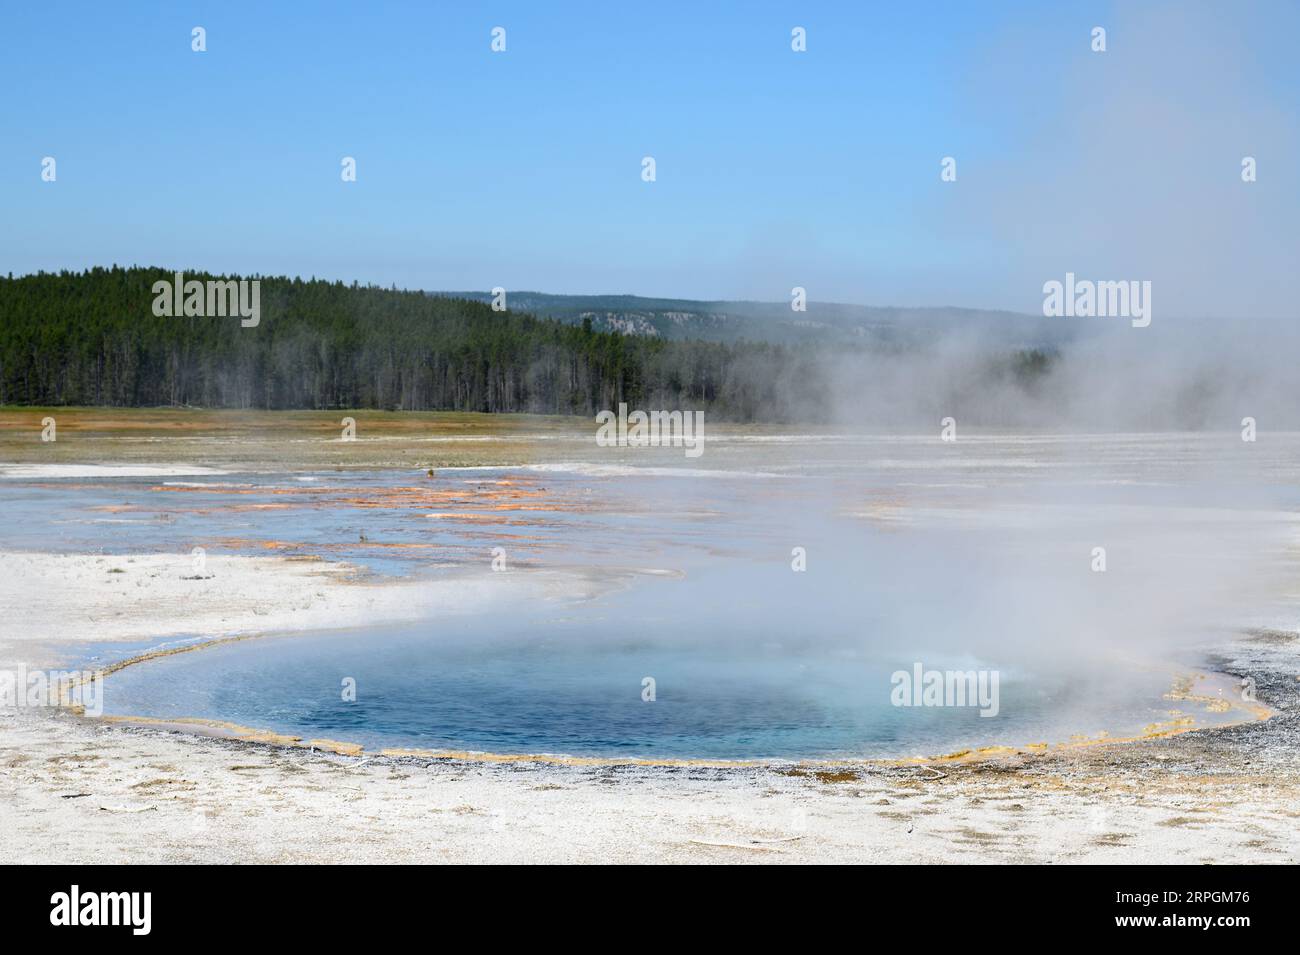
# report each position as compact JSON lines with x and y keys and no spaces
{"x":92,"y":338}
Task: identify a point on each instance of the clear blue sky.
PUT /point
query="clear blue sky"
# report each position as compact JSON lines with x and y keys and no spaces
{"x":775,"y":169}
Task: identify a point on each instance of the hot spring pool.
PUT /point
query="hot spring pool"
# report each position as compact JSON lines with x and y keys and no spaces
{"x":578,"y":686}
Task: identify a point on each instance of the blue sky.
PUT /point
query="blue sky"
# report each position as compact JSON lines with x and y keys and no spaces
{"x":775,"y":168}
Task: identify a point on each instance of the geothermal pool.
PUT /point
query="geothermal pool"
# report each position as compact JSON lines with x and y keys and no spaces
{"x":581,"y":687}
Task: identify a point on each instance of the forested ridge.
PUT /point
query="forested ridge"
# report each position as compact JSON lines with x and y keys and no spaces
{"x":91,"y":338}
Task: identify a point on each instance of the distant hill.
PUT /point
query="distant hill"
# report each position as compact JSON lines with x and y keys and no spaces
{"x":98,"y":338}
{"x":107,"y":337}
{"x":822,"y":323}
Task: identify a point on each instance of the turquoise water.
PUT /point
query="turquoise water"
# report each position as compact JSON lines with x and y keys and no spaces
{"x":574,"y":691}
{"x":569,"y":680}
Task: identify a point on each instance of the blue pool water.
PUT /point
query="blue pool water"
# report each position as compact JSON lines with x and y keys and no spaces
{"x":570,"y":680}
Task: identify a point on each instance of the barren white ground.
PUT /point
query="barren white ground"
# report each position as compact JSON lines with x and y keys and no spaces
{"x":73,"y":790}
